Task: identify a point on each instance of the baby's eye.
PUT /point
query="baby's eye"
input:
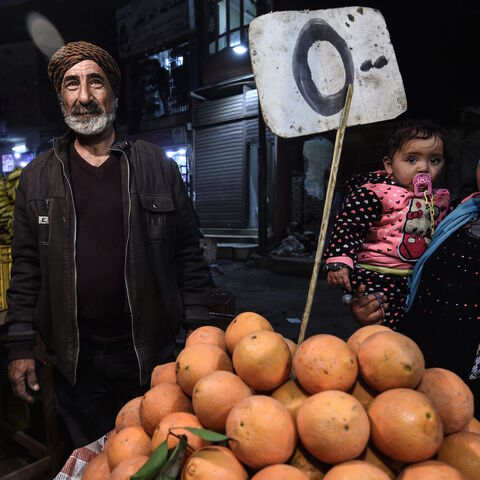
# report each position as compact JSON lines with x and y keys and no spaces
{"x":435,"y":161}
{"x":411,"y":159}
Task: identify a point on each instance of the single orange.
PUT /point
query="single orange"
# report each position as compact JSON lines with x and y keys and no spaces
{"x":292,"y":395}
{"x":473,"y":426}
{"x":325,"y":362}
{"x":97,"y":468}
{"x":430,"y":470}
{"x":362,"y":333}
{"x":128,"y":467}
{"x":451,"y":395}
{"x":129,"y":442}
{"x":356,"y":470}
{"x":263,"y":360}
{"x":406,"y":426}
{"x":207,"y":334}
{"x":197,"y":361}
{"x":243,"y":324}
{"x":213,"y":463}
{"x":275,"y":472}
{"x":129,"y":414}
{"x":262,"y":431}
{"x":215,"y":395}
{"x":390,"y":360}
{"x":333,"y":426}
{"x":170,"y":428}
{"x":161,"y":400}
{"x":109,"y":439}
{"x":292,"y":346}
{"x":163,"y":373}
{"x":461,"y":450}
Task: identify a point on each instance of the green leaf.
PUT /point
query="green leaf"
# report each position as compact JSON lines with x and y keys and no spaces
{"x":154,"y":464}
{"x":171,"y":470}
{"x":209,"y":435}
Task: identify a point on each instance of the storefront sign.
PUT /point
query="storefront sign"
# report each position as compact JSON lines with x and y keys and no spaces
{"x":148,"y":24}
{"x":303,"y":62}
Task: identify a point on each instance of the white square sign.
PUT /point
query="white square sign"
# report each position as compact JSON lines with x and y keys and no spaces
{"x":303,"y":62}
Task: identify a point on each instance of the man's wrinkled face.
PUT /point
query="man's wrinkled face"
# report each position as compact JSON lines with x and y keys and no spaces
{"x":86,"y":99}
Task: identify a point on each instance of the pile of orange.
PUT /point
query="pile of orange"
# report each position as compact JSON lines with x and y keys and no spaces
{"x":365,"y":408}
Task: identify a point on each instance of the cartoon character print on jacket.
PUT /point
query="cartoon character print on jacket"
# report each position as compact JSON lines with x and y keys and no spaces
{"x":417,"y":230}
{"x":382,"y":223}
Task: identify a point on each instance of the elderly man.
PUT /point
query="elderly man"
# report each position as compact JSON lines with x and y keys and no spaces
{"x":106,"y":259}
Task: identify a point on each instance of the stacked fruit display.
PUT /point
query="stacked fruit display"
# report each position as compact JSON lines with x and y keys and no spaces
{"x":8,"y":187}
{"x":362,"y":409}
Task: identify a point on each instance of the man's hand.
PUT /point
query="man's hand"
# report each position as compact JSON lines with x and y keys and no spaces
{"x":368,"y":309}
{"x":22,"y":375}
{"x":340,"y":277}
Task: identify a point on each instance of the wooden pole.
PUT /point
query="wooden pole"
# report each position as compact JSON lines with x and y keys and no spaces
{"x":326,"y":212}
{"x":262,"y":186}
{"x":262,"y":169}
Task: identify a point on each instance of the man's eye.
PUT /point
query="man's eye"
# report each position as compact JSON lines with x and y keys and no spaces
{"x":71,"y":84}
{"x":96,"y":81}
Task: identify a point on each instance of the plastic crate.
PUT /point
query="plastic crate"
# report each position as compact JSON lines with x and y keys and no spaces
{"x":5,"y":267}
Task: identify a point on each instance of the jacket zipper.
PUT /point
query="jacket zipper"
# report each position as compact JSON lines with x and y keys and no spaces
{"x":77,"y":353}
{"x":127,"y":290}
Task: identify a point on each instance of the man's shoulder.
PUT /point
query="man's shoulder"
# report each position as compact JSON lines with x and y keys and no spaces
{"x":149,"y":148}
{"x":149,"y":153}
{"x":39,"y":161}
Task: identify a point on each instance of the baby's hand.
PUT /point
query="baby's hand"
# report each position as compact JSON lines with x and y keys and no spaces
{"x":340,"y":277}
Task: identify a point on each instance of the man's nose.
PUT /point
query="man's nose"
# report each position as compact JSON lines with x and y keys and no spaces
{"x":84,"y":95}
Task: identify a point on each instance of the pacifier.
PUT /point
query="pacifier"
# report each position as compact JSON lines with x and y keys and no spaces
{"x":422,"y":183}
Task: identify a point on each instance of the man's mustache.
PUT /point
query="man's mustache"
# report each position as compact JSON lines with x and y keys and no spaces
{"x":91,"y":108}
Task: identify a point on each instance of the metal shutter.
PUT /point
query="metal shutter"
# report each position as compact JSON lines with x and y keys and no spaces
{"x":220,"y":176}
{"x":218,"y":111}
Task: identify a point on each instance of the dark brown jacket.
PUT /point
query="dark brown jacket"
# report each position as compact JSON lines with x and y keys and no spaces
{"x":166,"y":277}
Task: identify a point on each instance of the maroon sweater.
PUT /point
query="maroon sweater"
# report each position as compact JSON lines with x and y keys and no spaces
{"x":100,"y":247}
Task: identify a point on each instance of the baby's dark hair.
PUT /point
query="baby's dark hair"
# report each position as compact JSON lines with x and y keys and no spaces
{"x":410,"y":128}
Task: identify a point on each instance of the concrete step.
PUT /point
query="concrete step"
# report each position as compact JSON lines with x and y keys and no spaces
{"x":236,"y":251}
{"x":233,"y":235}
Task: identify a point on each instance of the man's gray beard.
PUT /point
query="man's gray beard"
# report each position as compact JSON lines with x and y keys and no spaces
{"x":93,"y":125}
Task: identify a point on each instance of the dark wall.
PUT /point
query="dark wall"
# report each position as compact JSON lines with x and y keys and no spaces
{"x":88,"y":20}
{"x":436,"y":47}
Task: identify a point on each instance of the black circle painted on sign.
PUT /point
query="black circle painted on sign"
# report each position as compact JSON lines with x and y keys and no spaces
{"x":316,"y":30}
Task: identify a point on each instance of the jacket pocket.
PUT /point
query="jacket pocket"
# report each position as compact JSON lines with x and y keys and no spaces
{"x":42,"y":210}
{"x":159,"y":213}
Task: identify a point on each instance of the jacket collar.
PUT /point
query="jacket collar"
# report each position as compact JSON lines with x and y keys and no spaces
{"x":62,"y":144}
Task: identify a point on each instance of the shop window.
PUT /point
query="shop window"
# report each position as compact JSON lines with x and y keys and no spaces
{"x":228,"y":23}
{"x":159,"y":85}
{"x":179,"y":154}
{"x":18,"y":158}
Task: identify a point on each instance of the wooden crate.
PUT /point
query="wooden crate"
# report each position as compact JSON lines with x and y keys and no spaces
{"x":5,"y":267}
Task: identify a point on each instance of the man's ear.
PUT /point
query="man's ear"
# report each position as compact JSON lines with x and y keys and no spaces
{"x":387,"y":163}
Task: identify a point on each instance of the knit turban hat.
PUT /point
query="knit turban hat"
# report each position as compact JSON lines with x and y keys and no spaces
{"x":76,"y":52}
